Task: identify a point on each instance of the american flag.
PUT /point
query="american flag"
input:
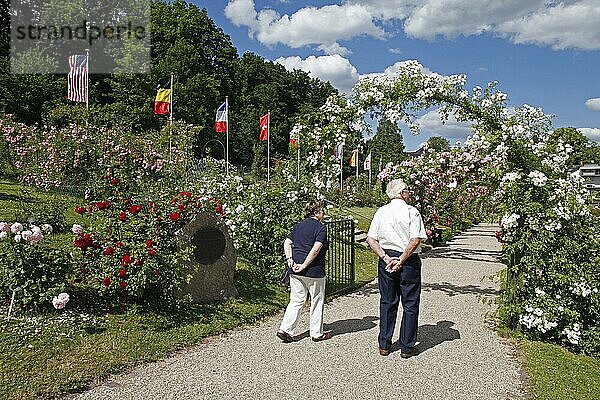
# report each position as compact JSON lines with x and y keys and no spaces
{"x":77,"y":80}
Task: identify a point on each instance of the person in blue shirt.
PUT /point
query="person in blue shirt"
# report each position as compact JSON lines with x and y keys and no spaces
{"x":305,"y":249}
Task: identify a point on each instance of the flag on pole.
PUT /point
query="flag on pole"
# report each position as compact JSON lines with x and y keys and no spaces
{"x":77,"y":80}
{"x":353,"y":158}
{"x":162,"y":103}
{"x":367,"y":163}
{"x":294,"y":136}
{"x":338,"y":150}
{"x":221,"y":119}
{"x":264,"y":126}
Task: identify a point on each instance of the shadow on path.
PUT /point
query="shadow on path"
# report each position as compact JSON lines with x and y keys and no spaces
{"x":454,"y":290}
{"x":463,"y":254}
{"x":344,"y":326}
{"x":433,"y":335}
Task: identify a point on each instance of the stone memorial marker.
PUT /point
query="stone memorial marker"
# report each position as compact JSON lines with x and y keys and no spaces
{"x":212,"y":262}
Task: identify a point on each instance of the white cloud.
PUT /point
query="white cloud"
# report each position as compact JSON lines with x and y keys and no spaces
{"x":431,"y":123}
{"x":395,"y":50}
{"x":334,"y":48}
{"x":334,"y":69}
{"x":591,"y":133}
{"x":575,"y":25}
{"x":560,"y":24}
{"x":309,"y":25}
{"x":593,"y":104}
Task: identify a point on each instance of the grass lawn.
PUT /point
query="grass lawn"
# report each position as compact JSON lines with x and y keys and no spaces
{"x":553,"y":373}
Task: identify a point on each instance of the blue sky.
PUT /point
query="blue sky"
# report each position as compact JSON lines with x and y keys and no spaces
{"x":545,"y":53}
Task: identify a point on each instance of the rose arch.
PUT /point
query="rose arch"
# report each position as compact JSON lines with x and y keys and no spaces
{"x":509,"y":165}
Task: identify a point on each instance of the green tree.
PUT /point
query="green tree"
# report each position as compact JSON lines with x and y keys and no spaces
{"x":439,"y":143}
{"x":387,"y":144}
{"x":584,"y":150}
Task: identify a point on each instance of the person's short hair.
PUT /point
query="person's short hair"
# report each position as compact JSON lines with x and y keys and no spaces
{"x":310,"y":209}
{"x":394,"y":188}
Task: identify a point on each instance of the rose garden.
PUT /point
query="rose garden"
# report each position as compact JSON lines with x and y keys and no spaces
{"x":105,"y":249}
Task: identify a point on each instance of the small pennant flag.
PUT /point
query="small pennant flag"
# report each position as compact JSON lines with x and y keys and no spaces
{"x":77,"y":87}
{"x":353,"y":158}
{"x":221,"y":118}
{"x":162,"y":103}
{"x":264,"y":126}
{"x":338,"y":151}
{"x":367,"y":163}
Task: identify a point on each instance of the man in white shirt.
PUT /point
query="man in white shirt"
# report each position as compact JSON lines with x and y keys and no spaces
{"x":395,"y":235}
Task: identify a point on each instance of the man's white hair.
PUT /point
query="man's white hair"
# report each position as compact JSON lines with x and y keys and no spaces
{"x":394,"y":188}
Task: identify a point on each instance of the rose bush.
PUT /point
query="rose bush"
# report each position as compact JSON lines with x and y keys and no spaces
{"x":131,"y":249}
{"x":30,"y":268}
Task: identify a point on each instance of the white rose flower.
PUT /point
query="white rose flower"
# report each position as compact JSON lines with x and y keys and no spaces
{"x":16,"y":228}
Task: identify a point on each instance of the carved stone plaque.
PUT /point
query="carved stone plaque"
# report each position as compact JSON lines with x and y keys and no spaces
{"x":212,"y":262}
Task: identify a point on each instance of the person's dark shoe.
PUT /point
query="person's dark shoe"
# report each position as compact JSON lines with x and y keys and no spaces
{"x":384,"y":352}
{"x":325,"y":336}
{"x":410,"y":354}
{"x":285,"y":337}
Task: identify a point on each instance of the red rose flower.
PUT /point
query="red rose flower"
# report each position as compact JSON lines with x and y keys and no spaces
{"x":139,"y":263}
{"x":186,"y":194}
{"x":135,"y":209}
{"x":115,"y":181}
{"x":152,"y":252}
{"x":181,"y":207}
{"x":175,"y":200}
{"x":123,"y":273}
{"x":83,"y":241}
{"x":103,"y":205}
{"x":123,"y":216}
{"x":123,"y":285}
{"x":80,"y":210}
{"x":119,"y":245}
{"x":106,"y":281}
{"x":109,"y":251}
{"x":159,"y":219}
{"x":127,"y":259}
{"x":174,"y":217}
{"x":219,"y":209}
{"x":149,"y":243}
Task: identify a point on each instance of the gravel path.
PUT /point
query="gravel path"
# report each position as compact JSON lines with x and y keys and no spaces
{"x":460,"y":357}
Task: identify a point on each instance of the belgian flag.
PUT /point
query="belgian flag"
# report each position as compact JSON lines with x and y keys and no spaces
{"x":162,"y":103}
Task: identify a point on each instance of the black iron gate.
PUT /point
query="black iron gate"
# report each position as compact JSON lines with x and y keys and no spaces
{"x":340,"y":256}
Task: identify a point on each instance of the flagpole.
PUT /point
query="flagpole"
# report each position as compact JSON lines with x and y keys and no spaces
{"x":357,"y":163}
{"x":170,"y":115}
{"x":370,"y":159}
{"x":268,"y":145}
{"x":342,"y":169}
{"x":298,"y":154}
{"x":87,"y":86}
{"x":227,"y":136}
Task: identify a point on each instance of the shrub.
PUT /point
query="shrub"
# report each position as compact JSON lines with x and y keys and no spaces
{"x":35,"y":272}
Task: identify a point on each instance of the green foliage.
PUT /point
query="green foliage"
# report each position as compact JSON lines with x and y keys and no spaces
{"x":387,"y":144}
{"x":438,"y":143}
{"x":35,"y":272}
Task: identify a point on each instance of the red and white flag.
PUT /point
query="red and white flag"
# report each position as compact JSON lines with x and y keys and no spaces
{"x":77,"y":80}
{"x":222,"y":118}
{"x":264,"y":126}
{"x":294,"y":138}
